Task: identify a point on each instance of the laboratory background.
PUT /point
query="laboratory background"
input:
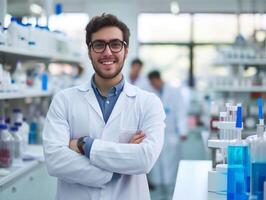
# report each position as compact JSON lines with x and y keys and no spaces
{"x":212,"y":53}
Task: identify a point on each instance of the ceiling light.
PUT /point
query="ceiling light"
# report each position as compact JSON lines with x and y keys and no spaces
{"x":174,"y":7}
{"x":36,"y":9}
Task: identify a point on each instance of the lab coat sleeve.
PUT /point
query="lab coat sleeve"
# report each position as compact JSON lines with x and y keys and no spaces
{"x":134,"y":158}
{"x":61,"y":161}
{"x":181,"y":113}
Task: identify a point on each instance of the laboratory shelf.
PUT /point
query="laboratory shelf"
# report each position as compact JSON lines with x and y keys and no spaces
{"x":241,"y":61}
{"x":239,"y":89}
{"x":25,"y":94}
{"x":9,"y":53}
{"x":29,"y":179}
{"x":16,"y":171}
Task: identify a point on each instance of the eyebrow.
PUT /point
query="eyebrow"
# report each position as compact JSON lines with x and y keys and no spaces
{"x":107,"y":40}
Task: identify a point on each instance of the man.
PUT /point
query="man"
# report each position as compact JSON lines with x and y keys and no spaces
{"x":163,"y":175}
{"x":102,"y":138}
{"x":135,"y":76}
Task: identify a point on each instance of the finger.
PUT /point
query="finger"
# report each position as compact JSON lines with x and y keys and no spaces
{"x":139,"y":140}
{"x":135,"y":137}
{"x":139,"y":134}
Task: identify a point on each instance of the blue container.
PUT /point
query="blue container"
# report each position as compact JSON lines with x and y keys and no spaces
{"x":33,"y":133}
{"x":258,"y":179}
{"x":237,"y":173}
{"x":44,"y":81}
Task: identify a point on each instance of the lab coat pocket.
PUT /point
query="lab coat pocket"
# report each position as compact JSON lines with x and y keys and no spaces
{"x":125,"y":135}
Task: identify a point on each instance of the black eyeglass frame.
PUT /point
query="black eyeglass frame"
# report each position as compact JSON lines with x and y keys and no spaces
{"x":107,"y":43}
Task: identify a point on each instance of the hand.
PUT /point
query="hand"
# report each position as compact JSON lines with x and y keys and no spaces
{"x":183,"y":137}
{"x":137,"y":138}
{"x":73,"y":145}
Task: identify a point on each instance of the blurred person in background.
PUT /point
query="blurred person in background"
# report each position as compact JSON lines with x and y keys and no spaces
{"x":163,"y":174}
{"x":136,"y":77}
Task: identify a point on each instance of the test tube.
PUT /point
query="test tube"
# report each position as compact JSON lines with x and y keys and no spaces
{"x":228,"y":119}
{"x":222,"y":119}
{"x":234,"y":114}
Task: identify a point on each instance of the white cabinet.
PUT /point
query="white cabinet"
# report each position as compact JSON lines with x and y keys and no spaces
{"x":33,"y":184}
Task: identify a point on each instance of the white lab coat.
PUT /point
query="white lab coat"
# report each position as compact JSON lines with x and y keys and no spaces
{"x":165,"y":169}
{"x":75,"y":112}
{"x":142,"y":82}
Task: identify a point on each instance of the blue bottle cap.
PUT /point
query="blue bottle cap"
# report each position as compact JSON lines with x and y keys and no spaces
{"x":3,"y":126}
{"x":13,"y":19}
{"x":58,"y":8}
{"x":14,"y":128}
{"x":18,"y":124}
{"x":16,"y":110}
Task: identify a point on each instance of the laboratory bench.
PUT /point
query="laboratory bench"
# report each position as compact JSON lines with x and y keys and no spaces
{"x":28,"y":181}
{"x":192,"y":180}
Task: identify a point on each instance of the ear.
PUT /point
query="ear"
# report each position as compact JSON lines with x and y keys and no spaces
{"x":126,"y":52}
{"x":89,"y":53}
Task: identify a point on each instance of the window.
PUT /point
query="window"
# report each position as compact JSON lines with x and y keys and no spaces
{"x":164,"y":28}
{"x":214,"y":28}
{"x":171,"y":60}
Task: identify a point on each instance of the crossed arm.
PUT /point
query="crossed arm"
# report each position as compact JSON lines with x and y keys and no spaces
{"x":136,"y":139}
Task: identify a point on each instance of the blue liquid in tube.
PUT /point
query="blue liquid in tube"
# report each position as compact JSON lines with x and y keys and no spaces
{"x":258,"y":179}
{"x":237,"y":173}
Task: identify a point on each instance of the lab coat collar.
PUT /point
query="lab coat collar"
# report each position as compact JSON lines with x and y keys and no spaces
{"x":85,"y":87}
{"x":129,"y":89}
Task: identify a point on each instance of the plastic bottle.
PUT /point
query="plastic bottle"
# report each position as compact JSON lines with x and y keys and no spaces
{"x":2,"y":35}
{"x":6,"y":82}
{"x":40,"y":124}
{"x":258,"y":157}
{"x":31,"y":37}
{"x":6,"y":147}
{"x":13,"y":33}
{"x":17,"y":120}
{"x":36,"y":81}
{"x":44,"y":81}
{"x":18,"y":142}
{"x":238,"y":165}
{"x":20,"y":77}
{"x":23,"y":34}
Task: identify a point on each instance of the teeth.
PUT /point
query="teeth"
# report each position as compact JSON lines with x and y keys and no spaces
{"x":108,"y":63}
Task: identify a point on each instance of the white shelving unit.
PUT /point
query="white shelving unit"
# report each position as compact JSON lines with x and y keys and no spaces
{"x":10,"y":54}
{"x":25,"y":94}
{"x":244,"y":62}
{"x":239,"y":89}
{"x":37,"y":55}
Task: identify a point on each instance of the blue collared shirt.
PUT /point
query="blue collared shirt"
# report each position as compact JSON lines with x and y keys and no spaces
{"x":107,"y":103}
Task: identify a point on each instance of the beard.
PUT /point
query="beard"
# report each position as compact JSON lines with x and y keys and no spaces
{"x":104,"y":75}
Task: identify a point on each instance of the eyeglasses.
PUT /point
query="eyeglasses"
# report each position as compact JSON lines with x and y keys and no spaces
{"x":115,"y":46}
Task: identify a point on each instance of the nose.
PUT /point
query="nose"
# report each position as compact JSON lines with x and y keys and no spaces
{"x":107,"y":50}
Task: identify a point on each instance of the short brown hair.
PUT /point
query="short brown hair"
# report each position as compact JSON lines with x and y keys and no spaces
{"x":105,"y":20}
{"x":137,"y":61}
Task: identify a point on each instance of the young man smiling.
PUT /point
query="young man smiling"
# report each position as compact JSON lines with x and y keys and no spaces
{"x":103,"y":137}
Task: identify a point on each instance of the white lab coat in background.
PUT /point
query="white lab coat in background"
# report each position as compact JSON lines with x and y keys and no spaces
{"x":165,"y":169}
{"x":75,"y":112}
{"x":142,"y":82}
